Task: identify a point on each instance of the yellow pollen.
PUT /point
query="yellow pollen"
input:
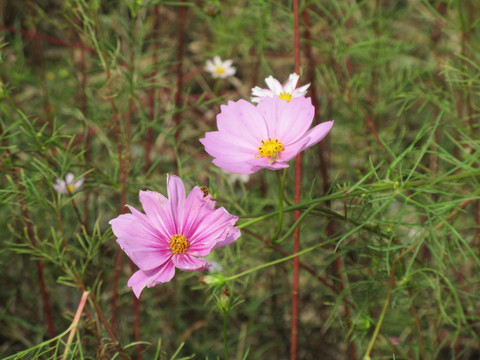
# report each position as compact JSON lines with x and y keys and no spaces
{"x":270,"y":148}
{"x":285,"y":96}
{"x":219,"y":69}
{"x":71,"y":188}
{"x":178,"y":244}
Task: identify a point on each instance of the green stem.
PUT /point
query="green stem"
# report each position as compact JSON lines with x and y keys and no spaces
{"x":297,"y":223}
{"x":225,"y":344}
{"x":281,"y":183}
{"x":367,"y":190}
{"x":275,"y":262}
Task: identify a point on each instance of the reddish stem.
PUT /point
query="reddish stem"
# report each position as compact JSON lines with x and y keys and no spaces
{"x":149,"y":138}
{"x":296,"y":214}
{"x":178,"y":95}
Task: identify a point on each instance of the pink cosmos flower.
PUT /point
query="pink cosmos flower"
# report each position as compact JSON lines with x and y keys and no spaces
{"x":220,"y":69}
{"x":286,"y":92}
{"x":68,"y":185}
{"x":267,"y":135}
{"x":173,"y":233}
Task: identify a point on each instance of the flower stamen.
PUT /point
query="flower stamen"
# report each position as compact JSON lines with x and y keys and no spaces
{"x":178,"y":244}
{"x":220,"y":70}
{"x":271,"y":148}
{"x":285,"y":96}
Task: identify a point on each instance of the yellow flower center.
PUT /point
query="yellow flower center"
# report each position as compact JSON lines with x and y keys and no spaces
{"x":285,"y":96}
{"x":270,"y":148}
{"x":220,"y":70}
{"x":71,"y":188}
{"x":178,"y":244}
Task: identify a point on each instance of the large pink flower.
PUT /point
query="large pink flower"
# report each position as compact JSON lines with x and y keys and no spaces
{"x":267,"y":135}
{"x":172,"y":233}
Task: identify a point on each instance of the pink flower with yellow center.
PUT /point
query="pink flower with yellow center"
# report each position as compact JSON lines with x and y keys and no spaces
{"x":220,"y":69}
{"x":69,"y":185}
{"x":275,"y":88}
{"x":173,"y":233}
{"x":267,"y":135}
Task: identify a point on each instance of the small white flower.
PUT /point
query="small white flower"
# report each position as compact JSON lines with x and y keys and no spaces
{"x":220,"y":69}
{"x":275,"y":88}
{"x":68,"y":185}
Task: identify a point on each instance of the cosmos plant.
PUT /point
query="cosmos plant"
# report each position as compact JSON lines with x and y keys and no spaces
{"x":220,"y":69}
{"x":268,"y":135}
{"x":174,"y":232}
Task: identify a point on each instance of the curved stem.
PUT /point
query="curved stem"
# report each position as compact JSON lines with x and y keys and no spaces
{"x":281,"y":183}
{"x":275,"y":262}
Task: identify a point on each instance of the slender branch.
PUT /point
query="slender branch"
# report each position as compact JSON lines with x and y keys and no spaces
{"x":296,"y":214}
{"x":149,"y":137}
{"x":74,"y":325}
{"x":178,"y":95}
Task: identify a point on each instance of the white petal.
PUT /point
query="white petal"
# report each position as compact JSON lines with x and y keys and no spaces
{"x":274,"y":85}
{"x":291,"y":83}
{"x":69,"y":178}
{"x":301,"y":91}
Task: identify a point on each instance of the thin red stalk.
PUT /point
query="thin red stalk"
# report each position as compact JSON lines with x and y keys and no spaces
{"x":178,"y":95}
{"x":37,"y":46}
{"x":149,"y":139}
{"x":302,"y":265}
{"x":324,"y":161}
{"x":296,"y":215}
{"x":136,"y":321}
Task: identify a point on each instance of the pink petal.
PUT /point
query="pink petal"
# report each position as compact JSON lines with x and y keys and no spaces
{"x":150,"y":278}
{"x":141,"y":242}
{"x":232,"y":235}
{"x":176,"y":198}
{"x":158,"y":212}
{"x":271,"y":108}
{"x":291,"y":150}
{"x":264,"y":163}
{"x":237,"y":167}
{"x":212,"y":229}
{"x":198,"y":208}
{"x":318,"y":133}
{"x":242,"y":120}
{"x":295,"y":119}
{"x":224,"y":145}
{"x":187,"y":262}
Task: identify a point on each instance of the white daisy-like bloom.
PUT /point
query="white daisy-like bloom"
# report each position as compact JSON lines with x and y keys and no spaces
{"x":220,"y":69}
{"x":68,"y":185}
{"x":275,"y":88}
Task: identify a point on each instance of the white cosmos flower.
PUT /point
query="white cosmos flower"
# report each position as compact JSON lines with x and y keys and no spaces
{"x":68,"y":185}
{"x":220,"y":69}
{"x":286,"y":92}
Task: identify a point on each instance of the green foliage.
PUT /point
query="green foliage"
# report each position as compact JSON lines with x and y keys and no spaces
{"x":390,"y":210}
